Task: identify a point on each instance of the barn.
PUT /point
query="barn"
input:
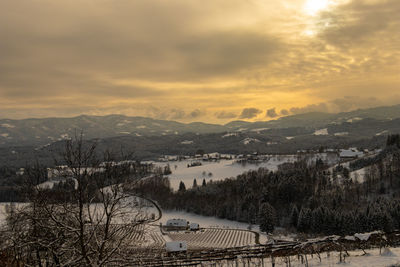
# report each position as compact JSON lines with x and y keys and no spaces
{"x":177,"y":223}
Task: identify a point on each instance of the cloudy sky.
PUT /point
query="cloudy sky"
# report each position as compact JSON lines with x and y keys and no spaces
{"x":197,"y":60}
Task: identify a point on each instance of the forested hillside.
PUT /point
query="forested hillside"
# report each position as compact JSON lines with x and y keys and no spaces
{"x":311,"y":199}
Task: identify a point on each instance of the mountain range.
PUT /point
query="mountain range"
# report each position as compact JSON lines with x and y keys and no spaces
{"x":44,"y":131}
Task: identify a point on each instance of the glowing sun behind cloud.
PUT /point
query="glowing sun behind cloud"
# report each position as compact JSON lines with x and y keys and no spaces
{"x":312,"y":7}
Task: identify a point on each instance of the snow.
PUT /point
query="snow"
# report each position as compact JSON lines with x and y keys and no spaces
{"x":350,"y":237}
{"x":210,"y":222}
{"x":249,"y":140}
{"x":387,"y":253}
{"x":321,"y":132}
{"x":354,"y":119}
{"x":47,"y":184}
{"x":341,"y":134}
{"x":357,"y":258}
{"x":6,"y":125}
{"x":271,"y":143}
{"x":259,"y":129}
{"x":219,"y":169}
{"x":229,"y":135}
{"x":350,"y":153}
{"x":358,"y":175}
{"x":3,"y":213}
{"x":124,"y":132}
{"x":123,"y":123}
{"x":64,"y":136}
{"x":96,"y":209}
{"x":5,"y":135}
{"x":365,"y":236}
{"x":50,"y":184}
{"x":289,"y":137}
{"x":381,"y":133}
{"x":187,"y":142}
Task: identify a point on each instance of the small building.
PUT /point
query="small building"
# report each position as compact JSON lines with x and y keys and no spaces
{"x":176,"y":246}
{"x":351,"y":153}
{"x":194,"y":226}
{"x":179,"y":223}
{"x":214,"y":156}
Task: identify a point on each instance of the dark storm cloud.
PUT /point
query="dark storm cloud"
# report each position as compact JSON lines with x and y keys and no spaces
{"x":176,"y":114}
{"x":196,"y":113}
{"x":360,"y":22}
{"x":225,"y":115}
{"x":271,"y":113}
{"x":249,"y":113}
{"x":284,"y":112}
{"x":321,"y":107}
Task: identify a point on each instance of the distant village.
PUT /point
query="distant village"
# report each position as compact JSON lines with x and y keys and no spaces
{"x":343,"y":154}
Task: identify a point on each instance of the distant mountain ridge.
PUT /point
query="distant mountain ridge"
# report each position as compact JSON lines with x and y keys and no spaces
{"x":39,"y":132}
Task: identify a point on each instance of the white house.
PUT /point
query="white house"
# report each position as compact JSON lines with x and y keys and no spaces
{"x":177,"y":223}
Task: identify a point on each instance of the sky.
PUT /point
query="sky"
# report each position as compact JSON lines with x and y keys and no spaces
{"x":197,"y":60}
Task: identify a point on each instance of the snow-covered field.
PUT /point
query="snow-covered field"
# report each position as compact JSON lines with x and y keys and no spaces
{"x":321,"y":132}
{"x":341,"y":134}
{"x":219,"y":170}
{"x":214,"y":238}
{"x":358,"y":175}
{"x":210,"y":222}
{"x":389,"y":257}
{"x":204,"y":221}
{"x":3,"y":214}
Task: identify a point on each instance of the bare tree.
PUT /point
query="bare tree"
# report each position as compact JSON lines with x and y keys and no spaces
{"x":85,"y":219}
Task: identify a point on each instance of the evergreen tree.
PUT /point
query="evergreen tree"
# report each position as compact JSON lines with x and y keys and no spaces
{"x":267,"y":217}
{"x":182,"y":187}
{"x":194,"y":183}
{"x":395,"y":213}
{"x":317,"y":220}
{"x":393,"y":140}
{"x":329,"y":226}
{"x":304,"y":221}
{"x":294,"y":216}
{"x":167,"y":170}
{"x":204,"y":183}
